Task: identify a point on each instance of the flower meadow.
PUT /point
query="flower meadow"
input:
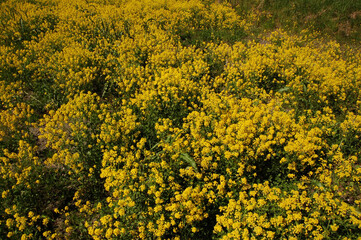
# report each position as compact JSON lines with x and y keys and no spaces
{"x":165,"y":119}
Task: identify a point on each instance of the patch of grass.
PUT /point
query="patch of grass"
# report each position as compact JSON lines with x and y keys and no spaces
{"x":336,"y":19}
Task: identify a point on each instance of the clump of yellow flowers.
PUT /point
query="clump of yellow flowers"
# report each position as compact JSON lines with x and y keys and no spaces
{"x":164,"y":120}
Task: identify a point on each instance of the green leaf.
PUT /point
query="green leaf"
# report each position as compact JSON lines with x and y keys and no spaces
{"x":189,"y":160}
{"x":285,"y":89}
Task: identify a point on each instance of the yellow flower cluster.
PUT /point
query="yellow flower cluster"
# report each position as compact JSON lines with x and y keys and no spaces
{"x":170,"y":120}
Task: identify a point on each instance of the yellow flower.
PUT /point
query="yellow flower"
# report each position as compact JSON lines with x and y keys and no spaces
{"x":334,"y":227}
{"x":258,"y":230}
{"x":69,"y":229}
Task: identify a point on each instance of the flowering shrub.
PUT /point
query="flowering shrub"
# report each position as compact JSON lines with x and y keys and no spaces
{"x":165,"y":120}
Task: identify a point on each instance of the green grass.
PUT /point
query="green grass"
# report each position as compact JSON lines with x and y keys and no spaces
{"x":335,"y":19}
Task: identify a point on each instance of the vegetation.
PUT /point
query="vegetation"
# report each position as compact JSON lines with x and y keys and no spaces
{"x":335,"y":19}
{"x":175,"y":119}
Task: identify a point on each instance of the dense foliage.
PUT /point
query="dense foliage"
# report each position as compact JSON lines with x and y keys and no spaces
{"x":170,"y":119}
